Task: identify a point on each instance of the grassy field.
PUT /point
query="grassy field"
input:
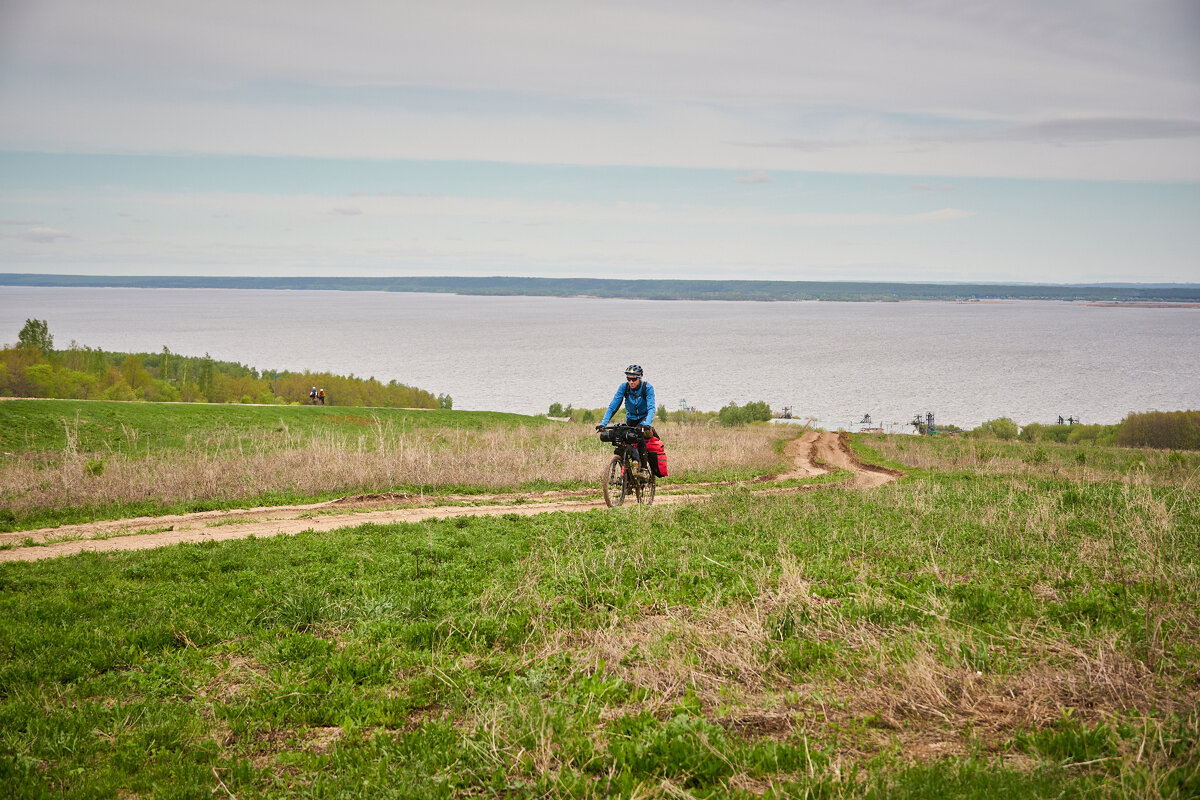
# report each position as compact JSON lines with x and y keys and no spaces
{"x":70,"y":461}
{"x":1009,"y":620}
{"x":54,"y":426}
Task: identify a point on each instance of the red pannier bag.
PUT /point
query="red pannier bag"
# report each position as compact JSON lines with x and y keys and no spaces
{"x":658,"y":456}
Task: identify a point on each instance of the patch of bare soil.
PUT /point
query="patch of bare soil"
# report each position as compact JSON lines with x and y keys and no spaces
{"x":812,"y":454}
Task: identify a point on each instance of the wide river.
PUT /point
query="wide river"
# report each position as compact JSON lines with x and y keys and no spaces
{"x":1031,"y":361}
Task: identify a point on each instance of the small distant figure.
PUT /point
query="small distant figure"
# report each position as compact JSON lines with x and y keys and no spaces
{"x":1061,"y":421}
{"x":321,"y":396}
{"x":312,"y":396}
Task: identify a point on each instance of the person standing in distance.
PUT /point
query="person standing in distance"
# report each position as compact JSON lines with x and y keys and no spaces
{"x":638,"y":396}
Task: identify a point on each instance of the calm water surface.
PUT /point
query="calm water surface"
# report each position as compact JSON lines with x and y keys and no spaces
{"x":967,"y":363}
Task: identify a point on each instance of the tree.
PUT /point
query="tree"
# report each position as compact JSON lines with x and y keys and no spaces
{"x":731,"y":415}
{"x":135,"y":373}
{"x":204,"y":380}
{"x":1000,"y":428}
{"x":755,"y":411}
{"x":36,"y":335}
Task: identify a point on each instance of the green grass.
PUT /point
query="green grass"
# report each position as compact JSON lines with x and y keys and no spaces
{"x":50,"y":426}
{"x":959,"y":634}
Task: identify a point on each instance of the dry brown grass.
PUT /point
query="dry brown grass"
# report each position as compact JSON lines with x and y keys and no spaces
{"x":1082,"y":464}
{"x":376,"y":461}
{"x":912,"y":690}
{"x":924,"y":703}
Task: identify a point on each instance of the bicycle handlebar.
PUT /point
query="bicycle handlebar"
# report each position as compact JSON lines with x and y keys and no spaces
{"x":612,"y":434}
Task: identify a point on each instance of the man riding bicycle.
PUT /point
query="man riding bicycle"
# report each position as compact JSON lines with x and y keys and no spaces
{"x":638,"y":396}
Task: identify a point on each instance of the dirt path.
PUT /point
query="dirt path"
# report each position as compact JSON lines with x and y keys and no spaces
{"x":812,"y":454}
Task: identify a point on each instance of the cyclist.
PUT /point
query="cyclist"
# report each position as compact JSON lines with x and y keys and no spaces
{"x":638,"y":396}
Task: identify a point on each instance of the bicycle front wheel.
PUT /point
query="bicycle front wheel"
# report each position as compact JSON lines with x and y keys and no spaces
{"x":645,"y":491}
{"x":616,"y":482}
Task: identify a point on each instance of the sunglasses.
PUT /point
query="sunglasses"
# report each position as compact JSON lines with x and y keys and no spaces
{"x":632,"y":378}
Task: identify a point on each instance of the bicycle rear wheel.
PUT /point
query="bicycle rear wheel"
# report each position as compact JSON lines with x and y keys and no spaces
{"x":616,"y":482}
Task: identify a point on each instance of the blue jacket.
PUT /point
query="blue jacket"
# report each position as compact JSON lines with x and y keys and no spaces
{"x":639,"y":410}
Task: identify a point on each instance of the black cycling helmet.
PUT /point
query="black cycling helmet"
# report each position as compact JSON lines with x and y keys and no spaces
{"x":633,"y":370}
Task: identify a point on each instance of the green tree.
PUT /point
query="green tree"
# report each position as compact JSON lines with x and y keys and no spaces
{"x":164,"y":365}
{"x":731,"y":415}
{"x":1179,"y":430}
{"x":36,"y":335}
{"x":204,"y":380}
{"x":41,"y":380}
{"x":999,"y":428}
{"x":556,"y":410}
{"x":134,"y":373}
{"x":757,"y":411}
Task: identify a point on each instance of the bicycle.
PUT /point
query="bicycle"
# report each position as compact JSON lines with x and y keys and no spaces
{"x":626,"y":474}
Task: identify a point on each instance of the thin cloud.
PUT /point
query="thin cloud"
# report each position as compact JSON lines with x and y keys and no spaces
{"x":1100,"y":129}
{"x":347,"y":212}
{"x":42,"y":235}
{"x":1084,"y":130}
{"x":872,"y":220}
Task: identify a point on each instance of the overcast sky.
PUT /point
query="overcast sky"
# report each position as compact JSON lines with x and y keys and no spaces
{"x":997,"y":141}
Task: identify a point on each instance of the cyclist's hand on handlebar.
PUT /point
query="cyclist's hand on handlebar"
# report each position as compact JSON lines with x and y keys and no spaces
{"x":599,"y":427}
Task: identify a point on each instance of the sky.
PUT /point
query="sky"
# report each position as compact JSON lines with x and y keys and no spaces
{"x":1017,"y":141}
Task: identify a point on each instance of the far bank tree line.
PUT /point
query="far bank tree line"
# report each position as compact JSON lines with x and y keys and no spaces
{"x":33,"y":368}
{"x":1166,"y":430}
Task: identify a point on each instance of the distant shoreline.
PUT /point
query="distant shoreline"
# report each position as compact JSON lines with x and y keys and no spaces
{"x":1143,"y":295}
{"x":1143,"y":304}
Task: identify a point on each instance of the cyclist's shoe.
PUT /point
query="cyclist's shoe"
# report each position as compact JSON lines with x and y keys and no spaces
{"x":644,"y":473}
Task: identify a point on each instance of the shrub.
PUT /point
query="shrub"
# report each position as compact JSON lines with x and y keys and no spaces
{"x":1000,"y":428}
{"x":1174,"y":430}
{"x":1095,"y":435}
{"x":1038,"y":456}
{"x":733,"y":414}
{"x":1055,"y":433}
